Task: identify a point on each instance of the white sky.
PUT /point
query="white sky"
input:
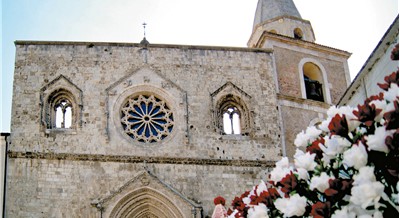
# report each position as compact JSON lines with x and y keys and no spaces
{"x":355,"y":26}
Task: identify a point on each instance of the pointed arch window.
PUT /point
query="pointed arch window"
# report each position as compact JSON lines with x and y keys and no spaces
{"x":231,"y":120}
{"x":233,"y":116}
{"x":231,"y":111}
{"x":61,"y":106}
{"x":63,"y":114}
{"x":61,"y":110}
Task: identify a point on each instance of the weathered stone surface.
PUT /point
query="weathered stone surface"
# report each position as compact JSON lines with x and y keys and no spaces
{"x":96,"y":168}
{"x":58,"y":172}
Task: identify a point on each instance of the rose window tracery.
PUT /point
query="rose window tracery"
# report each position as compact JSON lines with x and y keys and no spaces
{"x":146,"y":118}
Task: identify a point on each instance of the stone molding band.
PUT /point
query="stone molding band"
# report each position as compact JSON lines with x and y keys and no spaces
{"x":138,"y":159}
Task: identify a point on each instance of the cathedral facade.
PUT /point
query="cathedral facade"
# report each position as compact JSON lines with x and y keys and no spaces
{"x":155,"y":130}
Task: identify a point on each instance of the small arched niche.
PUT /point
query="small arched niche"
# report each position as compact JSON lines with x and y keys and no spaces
{"x":313,"y":82}
{"x":298,"y":33}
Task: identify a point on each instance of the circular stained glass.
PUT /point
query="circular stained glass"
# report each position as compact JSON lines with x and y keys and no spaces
{"x":146,"y":118}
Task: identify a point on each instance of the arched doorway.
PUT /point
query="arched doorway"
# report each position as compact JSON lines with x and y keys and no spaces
{"x":145,"y":203}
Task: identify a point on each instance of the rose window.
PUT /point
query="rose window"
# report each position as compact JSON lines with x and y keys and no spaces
{"x":146,"y":118}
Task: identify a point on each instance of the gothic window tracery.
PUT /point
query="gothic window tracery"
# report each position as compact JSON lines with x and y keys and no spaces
{"x":61,"y":110}
{"x":233,"y":116}
{"x":146,"y":118}
{"x":231,"y":121}
{"x":63,"y":114}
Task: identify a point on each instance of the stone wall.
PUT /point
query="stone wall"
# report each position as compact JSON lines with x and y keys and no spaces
{"x":58,"y":172}
{"x":194,"y":72}
{"x":66,"y":188}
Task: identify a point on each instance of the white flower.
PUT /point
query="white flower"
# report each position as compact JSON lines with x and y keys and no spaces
{"x":261,"y":187}
{"x":258,"y":211}
{"x":321,"y":183}
{"x":324,"y":125}
{"x":283,"y":163}
{"x":277,"y":174}
{"x":281,"y":170}
{"x":333,"y":145}
{"x":304,"y":160}
{"x":366,"y":191}
{"x":301,"y":139}
{"x":361,"y":130}
{"x":367,"y":194}
{"x":378,"y":214}
{"x":313,"y":133}
{"x":246,"y":200}
{"x":356,"y":156}
{"x":302,"y":174}
{"x":352,"y":121}
{"x":344,"y":213}
{"x":380,"y":104}
{"x":365,"y":175}
{"x":376,"y":141}
{"x":233,"y":214}
{"x":392,"y":93}
{"x":295,"y":205}
{"x":395,"y":197}
{"x":332,"y":111}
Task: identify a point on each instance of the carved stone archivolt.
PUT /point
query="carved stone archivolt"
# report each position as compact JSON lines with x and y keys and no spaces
{"x":60,"y":91}
{"x":147,"y":196}
{"x":145,"y":201}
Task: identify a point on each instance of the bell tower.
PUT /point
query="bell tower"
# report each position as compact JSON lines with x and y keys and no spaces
{"x":279,"y":17}
{"x":310,"y":77}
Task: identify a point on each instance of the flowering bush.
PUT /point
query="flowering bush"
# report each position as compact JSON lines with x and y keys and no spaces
{"x":348,"y":166}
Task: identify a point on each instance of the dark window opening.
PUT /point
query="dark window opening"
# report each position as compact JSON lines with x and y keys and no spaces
{"x":298,"y":34}
{"x":313,"y":89}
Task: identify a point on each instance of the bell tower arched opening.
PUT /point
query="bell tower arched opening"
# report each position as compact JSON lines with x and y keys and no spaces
{"x":313,"y":82}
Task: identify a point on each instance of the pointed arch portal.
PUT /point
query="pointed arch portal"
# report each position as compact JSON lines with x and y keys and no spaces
{"x":145,"y":203}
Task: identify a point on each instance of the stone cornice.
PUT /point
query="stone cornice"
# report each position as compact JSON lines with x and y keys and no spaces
{"x":149,"y":46}
{"x":301,"y":43}
{"x":301,"y":103}
{"x":138,"y":159}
